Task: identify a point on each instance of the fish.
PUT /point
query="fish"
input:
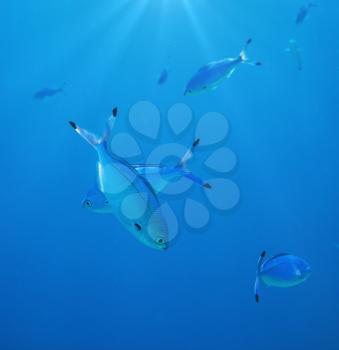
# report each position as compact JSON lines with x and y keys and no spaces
{"x":294,"y":49}
{"x":304,"y":12}
{"x":282,"y":270}
{"x":210,"y":76}
{"x":162,"y":79}
{"x":133,"y":199}
{"x":159,"y":176}
{"x":47,"y":92}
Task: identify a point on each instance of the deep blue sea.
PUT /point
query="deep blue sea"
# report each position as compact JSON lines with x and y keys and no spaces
{"x":75,"y":280}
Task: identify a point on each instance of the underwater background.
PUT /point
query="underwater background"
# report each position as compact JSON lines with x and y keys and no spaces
{"x":71,"y":279}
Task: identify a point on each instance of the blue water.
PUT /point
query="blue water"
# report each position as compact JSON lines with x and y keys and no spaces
{"x":70,"y":279}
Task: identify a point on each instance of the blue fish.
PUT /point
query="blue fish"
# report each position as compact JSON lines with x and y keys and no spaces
{"x":294,"y":49}
{"x":163,"y":77}
{"x":304,"y":12}
{"x":47,"y":92}
{"x":159,"y":176}
{"x":210,"y":76}
{"x":131,"y":196}
{"x":282,"y":270}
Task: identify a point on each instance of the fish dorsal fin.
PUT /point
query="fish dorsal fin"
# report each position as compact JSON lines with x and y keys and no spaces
{"x":278,"y":256}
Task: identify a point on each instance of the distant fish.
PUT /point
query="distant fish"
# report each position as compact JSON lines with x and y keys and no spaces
{"x":294,"y":49}
{"x":159,"y":176}
{"x":162,"y":79}
{"x":283,"y":270}
{"x":210,"y":76}
{"x":304,"y":12}
{"x":47,"y":92}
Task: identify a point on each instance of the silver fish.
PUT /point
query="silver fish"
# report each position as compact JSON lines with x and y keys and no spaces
{"x":210,"y":76}
{"x":282,"y":270}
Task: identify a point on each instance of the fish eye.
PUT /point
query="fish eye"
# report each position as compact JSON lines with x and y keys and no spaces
{"x":160,"y":241}
{"x":106,"y":202}
{"x":88,"y":203}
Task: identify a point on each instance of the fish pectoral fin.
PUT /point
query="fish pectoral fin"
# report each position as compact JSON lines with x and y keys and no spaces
{"x":230,"y":73}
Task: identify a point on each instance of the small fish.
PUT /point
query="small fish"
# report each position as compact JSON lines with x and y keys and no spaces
{"x":282,"y":270}
{"x":159,"y":176}
{"x":304,"y":12}
{"x":131,"y":196}
{"x":294,"y":49}
{"x":210,"y":76}
{"x":47,"y":92}
{"x":162,"y":79}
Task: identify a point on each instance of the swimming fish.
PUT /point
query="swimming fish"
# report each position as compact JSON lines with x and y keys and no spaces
{"x":47,"y":92}
{"x":282,"y":270}
{"x":163,"y":77}
{"x":131,"y":196}
{"x":294,"y":49}
{"x":159,"y":176}
{"x":304,"y":12}
{"x":210,"y":76}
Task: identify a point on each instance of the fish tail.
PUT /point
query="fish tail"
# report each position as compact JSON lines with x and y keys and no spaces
{"x":91,"y":138}
{"x":183,"y":164}
{"x":243,"y":52}
{"x":243,"y":55}
{"x":188,"y":155}
{"x":110,"y":125}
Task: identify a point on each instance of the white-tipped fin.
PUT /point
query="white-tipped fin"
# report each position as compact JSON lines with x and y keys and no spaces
{"x":188,"y":174}
{"x":243,"y":55}
{"x":91,"y":138}
{"x":189,"y":154}
{"x":110,"y":125}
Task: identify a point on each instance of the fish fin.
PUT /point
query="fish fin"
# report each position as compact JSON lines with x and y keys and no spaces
{"x":188,"y":174}
{"x":257,"y":279}
{"x":91,"y":138}
{"x":243,"y":52}
{"x":261,"y":260}
{"x":257,"y":290}
{"x":189,"y":154}
{"x":196,"y":179}
{"x":230,"y":73}
{"x":244,"y":58}
{"x":110,"y":124}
